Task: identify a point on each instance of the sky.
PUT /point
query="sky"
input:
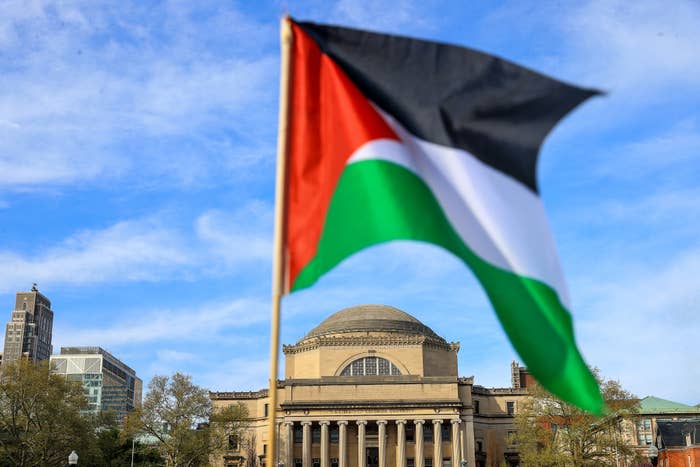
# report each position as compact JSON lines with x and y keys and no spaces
{"x":137,"y":155}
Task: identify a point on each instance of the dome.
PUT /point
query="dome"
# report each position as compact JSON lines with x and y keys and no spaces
{"x":371,"y":318}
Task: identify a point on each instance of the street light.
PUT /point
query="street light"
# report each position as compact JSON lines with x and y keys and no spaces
{"x":464,"y":463}
{"x":73,"y":458}
{"x":653,"y":454}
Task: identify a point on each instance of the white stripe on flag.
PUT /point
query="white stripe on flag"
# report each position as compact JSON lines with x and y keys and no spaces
{"x":498,"y":218}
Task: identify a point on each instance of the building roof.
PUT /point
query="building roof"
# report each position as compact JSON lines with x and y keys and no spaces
{"x":656,"y":405}
{"x":371,"y":318}
{"x":673,"y":432}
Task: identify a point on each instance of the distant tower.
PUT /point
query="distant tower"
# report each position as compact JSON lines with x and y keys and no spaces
{"x":520,"y":377}
{"x":28,"y":333}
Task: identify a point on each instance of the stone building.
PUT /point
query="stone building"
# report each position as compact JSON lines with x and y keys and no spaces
{"x":28,"y":333}
{"x":372,"y":386}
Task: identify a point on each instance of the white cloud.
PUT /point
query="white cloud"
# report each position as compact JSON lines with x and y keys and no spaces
{"x":670,"y":153}
{"x":197,"y":324}
{"x":677,"y":208}
{"x":125,"y":251}
{"x":248,"y":373}
{"x":95,"y":91}
{"x":150,"y":249}
{"x":240,"y":236}
{"x":384,"y":16}
{"x":640,"y":46}
{"x":640,"y":325}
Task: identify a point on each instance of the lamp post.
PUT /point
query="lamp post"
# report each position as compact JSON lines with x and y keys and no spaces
{"x":653,"y":454}
{"x":73,"y":458}
{"x":464,"y":463}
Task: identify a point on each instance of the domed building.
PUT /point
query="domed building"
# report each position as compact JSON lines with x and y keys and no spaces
{"x":372,"y":386}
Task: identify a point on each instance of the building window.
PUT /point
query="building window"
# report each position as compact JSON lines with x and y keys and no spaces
{"x":510,"y":407}
{"x":410,"y":433}
{"x":316,"y":462}
{"x":335,"y":434}
{"x":479,"y":446}
{"x":233,"y":443}
{"x":446,"y":432}
{"x":446,"y":462}
{"x":334,"y":462}
{"x":410,"y":462}
{"x":476,"y":407}
{"x":298,"y":434}
{"x":428,"y":462}
{"x":298,"y":462}
{"x":511,"y":438}
{"x":428,"y":433}
{"x":264,"y":449}
{"x":370,"y":366}
{"x":644,"y":439}
{"x":316,"y":434}
{"x":644,"y":425}
{"x":265,"y":409}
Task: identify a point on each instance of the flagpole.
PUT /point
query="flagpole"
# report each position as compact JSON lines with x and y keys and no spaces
{"x":278,"y":254}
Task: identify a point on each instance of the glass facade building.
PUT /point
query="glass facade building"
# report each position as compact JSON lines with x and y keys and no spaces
{"x":109,"y":384}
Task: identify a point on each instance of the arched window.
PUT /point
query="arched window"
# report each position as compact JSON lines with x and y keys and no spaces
{"x":370,"y":366}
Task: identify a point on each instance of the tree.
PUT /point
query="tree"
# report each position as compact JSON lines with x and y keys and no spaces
{"x":40,"y":421}
{"x":251,"y":454}
{"x":115,"y":446}
{"x":179,"y":415}
{"x":552,"y":432}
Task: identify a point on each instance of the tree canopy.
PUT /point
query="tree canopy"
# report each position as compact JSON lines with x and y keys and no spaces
{"x":40,"y":420}
{"x":551,"y":432}
{"x":179,"y":415}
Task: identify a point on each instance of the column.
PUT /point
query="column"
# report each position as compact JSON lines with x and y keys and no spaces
{"x":325,"y":452}
{"x":342,"y":443}
{"x":289,"y":460}
{"x":469,"y":438}
{"x":419,"y":443}
{"x":401,"y":440}
{"x":361,"y":453}
{"x":437,"y":443}
{"x":382,"y":442}
{"x":456,"y":458}
{"x":306,"y":445}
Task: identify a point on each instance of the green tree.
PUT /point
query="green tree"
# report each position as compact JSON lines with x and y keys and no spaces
{"x":551,"y":432}
{"x":179,"y":415}
{"x":40,"y":421}
{"x":115,"y":447}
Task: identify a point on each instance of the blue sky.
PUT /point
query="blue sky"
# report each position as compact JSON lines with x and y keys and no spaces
{"x":137,"y":145}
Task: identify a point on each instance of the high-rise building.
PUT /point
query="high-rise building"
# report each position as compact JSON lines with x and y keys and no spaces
{"x":28,"y":333}
{"x":110,"y":385}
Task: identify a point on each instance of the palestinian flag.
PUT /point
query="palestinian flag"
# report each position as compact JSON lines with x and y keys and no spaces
{"x":398,"y":138}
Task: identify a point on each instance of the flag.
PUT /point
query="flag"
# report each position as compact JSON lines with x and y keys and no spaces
{"x":395,"y":138}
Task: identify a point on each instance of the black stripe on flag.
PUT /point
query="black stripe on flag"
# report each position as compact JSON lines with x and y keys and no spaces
{"x":454,"y":96}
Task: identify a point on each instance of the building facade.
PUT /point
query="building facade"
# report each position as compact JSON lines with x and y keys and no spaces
{"x":372,"y":386}
{"x":679,"y":443}
{"x":109,"y":384}
{"x":28,"y":333}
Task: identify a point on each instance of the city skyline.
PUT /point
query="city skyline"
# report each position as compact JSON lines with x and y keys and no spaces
{"x":138,"y":166}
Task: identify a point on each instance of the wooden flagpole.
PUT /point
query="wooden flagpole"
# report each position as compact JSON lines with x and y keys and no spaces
{"x":278,"y":262}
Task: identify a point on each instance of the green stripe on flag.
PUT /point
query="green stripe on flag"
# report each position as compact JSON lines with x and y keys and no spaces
{"x":378,"y":201}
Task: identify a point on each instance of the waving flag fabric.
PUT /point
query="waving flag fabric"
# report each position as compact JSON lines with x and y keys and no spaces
{"x":397,"y":138}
